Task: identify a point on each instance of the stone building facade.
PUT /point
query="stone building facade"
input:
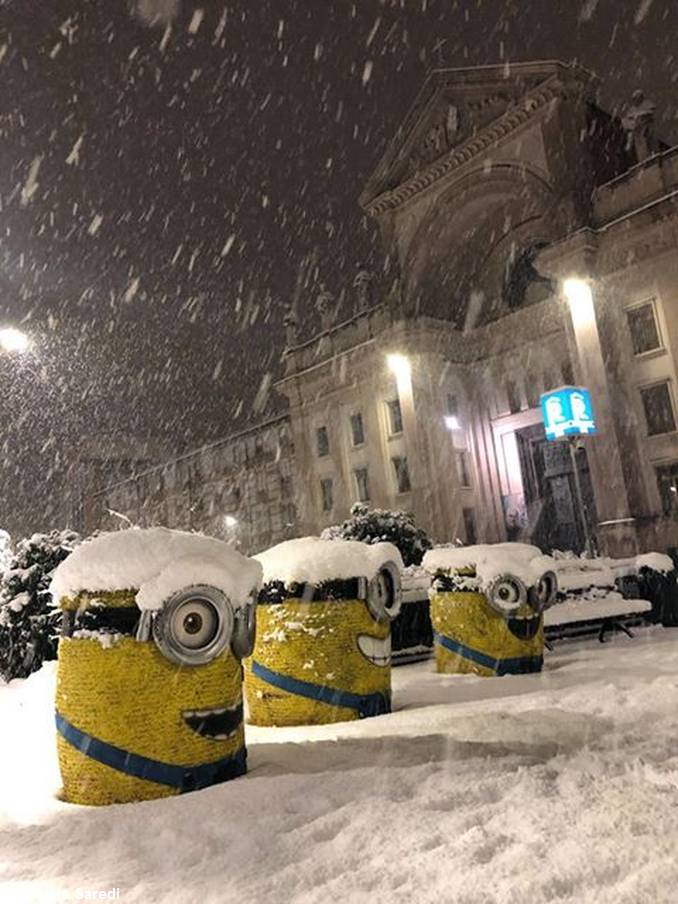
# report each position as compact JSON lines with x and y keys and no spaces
{"x":502,"y":184}
{"x":239,"y":489}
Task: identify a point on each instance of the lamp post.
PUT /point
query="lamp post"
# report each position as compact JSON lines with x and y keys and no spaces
{"x":582,"y":310}
{"x":13,"y":341}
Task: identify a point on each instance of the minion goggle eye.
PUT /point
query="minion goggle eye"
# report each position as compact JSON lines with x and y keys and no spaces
{"x":193,"y":627}
{"x":544,"y":594}
{"x":507,"y":594}
{"x":384,"y":596}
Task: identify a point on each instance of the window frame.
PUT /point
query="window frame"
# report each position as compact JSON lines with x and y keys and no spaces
{"x":469,"y":518}
{"x":668,"y":382}
{"x":397,"y":474}
{"x":324,"y":497}
{"x":389,"y":422}
{"x":463,"y":463}
{"x":672,"y":510}
{"x":359,"y":497}
{"x":357,"y":416}
{"x":319,"y":451}
{"x":637,"y":306}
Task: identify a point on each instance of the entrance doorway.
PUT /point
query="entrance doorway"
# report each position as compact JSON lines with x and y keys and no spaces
{"x":552,"y":519}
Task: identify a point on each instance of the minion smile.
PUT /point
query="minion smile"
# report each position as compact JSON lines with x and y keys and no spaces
{"x":524,"y":627}
{"x":217,"y":724}
{"x":377,"y":651}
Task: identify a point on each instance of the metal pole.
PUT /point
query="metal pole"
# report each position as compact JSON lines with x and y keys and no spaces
{"x":581,"y":505}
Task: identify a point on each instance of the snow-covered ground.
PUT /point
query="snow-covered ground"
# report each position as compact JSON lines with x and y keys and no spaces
{"x":529,"y":789}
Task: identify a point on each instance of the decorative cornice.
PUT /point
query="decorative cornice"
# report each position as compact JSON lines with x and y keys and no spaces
{"x":509,"y":122}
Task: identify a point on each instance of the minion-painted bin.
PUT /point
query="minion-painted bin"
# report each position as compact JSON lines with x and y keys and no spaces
{"x":323,"y":647}
{"x":149,"y":687}
{"x":487,"y":605}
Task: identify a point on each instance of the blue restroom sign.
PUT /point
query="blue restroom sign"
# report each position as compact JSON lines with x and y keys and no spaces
{"x":568,"y":412}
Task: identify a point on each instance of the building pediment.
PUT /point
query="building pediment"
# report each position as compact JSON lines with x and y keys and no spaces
{"x":452,"y":119}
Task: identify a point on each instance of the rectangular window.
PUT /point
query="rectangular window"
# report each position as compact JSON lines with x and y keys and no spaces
{"x":463,"y":472}
{"x":327,"y":492}
{"x":402,"y":473}
{"x":286,"y":486}
{"x":395,"y":417}
{"x":470,"y":526}
{"x":357,"y":429}
{"x":362,"y":484}
{"x":667,"y":481}
{"x":644,"y":328}
{"x":322,"y":442}
{"x":658,"y":406}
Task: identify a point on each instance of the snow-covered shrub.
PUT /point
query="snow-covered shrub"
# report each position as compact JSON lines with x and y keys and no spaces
{"x":29,"y":621}
{"x":378,"y":525}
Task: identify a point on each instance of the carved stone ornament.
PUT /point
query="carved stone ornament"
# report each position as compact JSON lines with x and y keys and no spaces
{"x":440,"y":137}
{"x":324,"y":305}
{"x":639,"y":123}
{"x":363,"y":285}
{"x":291,"y":324}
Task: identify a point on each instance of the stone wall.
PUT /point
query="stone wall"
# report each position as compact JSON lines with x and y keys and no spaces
{"x":241,"y":489}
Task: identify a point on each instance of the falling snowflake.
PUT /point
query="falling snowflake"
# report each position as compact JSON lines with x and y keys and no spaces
{"x":196,"y":21}
{"x":73,"y":158}
{"x":31,"y":183}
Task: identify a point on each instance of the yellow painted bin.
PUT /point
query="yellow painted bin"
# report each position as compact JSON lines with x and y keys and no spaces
{"x":317,"y":661}
{"x":132,"y":724}
{"x":471,"y":636}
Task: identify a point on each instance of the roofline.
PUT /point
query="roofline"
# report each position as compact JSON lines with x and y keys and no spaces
{"x":433,"y":80}
{"x":206,"y":448}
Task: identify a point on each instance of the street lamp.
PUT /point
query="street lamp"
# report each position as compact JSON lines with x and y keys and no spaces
{"x":13,"y":340}
{"x":578,"y":293}
{"x":399,"y":366}
{"x":452,"y":422}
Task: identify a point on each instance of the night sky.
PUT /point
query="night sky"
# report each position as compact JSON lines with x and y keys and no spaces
{"x":164,"y":176}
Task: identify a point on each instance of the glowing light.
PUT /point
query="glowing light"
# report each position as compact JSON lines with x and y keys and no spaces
{"x":578,"y":293}
{"x":230,"y":522}
{"x":399,"y":366}
{"x":12,"y":340}
{"x":452,"y":422}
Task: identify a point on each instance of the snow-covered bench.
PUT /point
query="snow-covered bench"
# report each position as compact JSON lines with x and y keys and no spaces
{"x":591,"y":601}
{"x":605,"y":612}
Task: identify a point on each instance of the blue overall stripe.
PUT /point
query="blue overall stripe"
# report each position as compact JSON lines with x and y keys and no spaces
{"x":181,"y":778}
{"x":519,"y":665}
{"x":365,"y":705}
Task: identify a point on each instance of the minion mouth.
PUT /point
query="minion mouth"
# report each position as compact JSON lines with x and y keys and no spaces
{"x":524,"y":628}
{"x":217,"y":724}
{"x":377,"y":651}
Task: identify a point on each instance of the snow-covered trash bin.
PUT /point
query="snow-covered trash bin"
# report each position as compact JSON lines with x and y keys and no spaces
{"x":323,"y":647}
{"x":149,"y":681}
{"x":487,"y":605}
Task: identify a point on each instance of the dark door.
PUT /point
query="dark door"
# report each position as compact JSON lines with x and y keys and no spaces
{"x":553,"y":521}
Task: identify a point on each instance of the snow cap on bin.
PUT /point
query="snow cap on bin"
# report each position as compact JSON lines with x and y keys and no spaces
{"x":156,"y":562}
{"x":491,"y":561}
{"x":312,"y":560}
